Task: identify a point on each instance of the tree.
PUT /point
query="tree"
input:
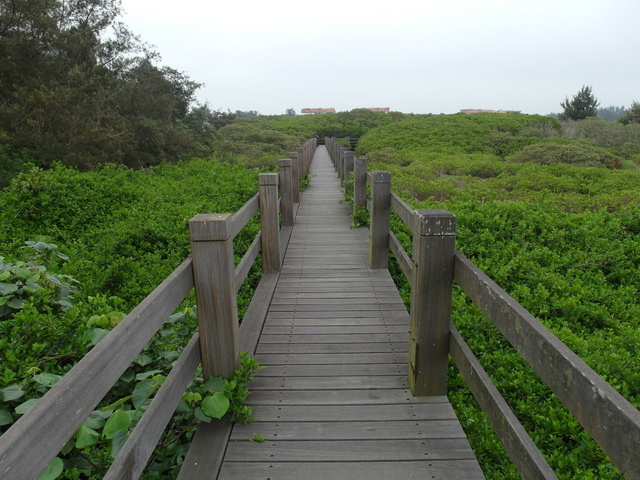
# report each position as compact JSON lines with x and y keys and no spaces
{"x":582,"y":105}
{"x":77,"y":86}
{"x":611,"y":113}
{"x":290,"y":112}
{"x":632,"y":114}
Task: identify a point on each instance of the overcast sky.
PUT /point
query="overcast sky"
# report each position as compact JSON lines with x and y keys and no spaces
{"x":420,"y":56}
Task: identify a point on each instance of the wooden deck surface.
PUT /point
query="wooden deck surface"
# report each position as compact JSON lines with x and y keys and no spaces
{"x":333,"y":400}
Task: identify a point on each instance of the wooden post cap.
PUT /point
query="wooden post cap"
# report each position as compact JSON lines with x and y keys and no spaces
{"x":434,"y":222}
{"x":210,"y":227}
{"x":268,"y":179}
{"x":380,"y":177}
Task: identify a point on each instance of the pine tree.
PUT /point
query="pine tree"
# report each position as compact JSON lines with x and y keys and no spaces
{"x":582,"y":105}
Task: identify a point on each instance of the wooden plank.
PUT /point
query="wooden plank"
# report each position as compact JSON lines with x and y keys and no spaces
{"x":333,"y":370}
{"x":404,"y":211}
{"x":401,"y":256}
{"x":133,"y":458}
{"x":336,"y":322}
{"x":335,"y":383}
{"x":254,"y":317}
{"x":397,"y":429}
{"x":339,"y":450}
{"x":335,"y":358}
{"x":521,"y":449}
{"x":333,"y":329}
{"x":442,"y":470}
{"x":242,"y":216}
{"x":242,"y":270}
{"x":339,"y":397}
{"x":68,"y":403}
{"x":327,"y":348}
{"x":599,"y":408}
{"x":340,"y":339}
{"x":353,"y":413}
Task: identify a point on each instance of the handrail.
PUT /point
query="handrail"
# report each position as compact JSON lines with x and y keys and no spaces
{"x":49,"y":424}
{"x":612,"y":421}
{"x":54,"y":419}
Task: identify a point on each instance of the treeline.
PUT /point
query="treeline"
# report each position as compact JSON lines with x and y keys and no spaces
{"x":79,"y":88}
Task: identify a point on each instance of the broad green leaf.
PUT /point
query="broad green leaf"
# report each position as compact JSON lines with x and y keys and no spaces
{"x":53,"y":471}
{"x":192,"y":397}
{"x":216,"y":405}
{"x":86,"y":437}
{"x":5,"y":417}
{"x":142,"y":392}
{"x":143,"y":360}
{"x":116,"y":404}
{"x":98,"y":334}
{"x":200,"y":415}
{"x":4,"y":275}
{"x":25,"y":406}
{"x":150,"y":373}
{"x":214,"y":385}
{"x":8,"y":288}
{"x":3,"y":300}
{"x":120,"y":420}
{"x":15,"y":303}
{"x":96,"y":419}
{"x":12,"y":392}
{"x":118,"y":441}
{"x":23,"y":273}
{"x":47,"y":379}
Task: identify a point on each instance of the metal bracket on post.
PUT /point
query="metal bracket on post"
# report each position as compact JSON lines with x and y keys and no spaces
{"x":434,"y":237}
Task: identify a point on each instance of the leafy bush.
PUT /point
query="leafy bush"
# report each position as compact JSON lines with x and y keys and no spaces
{"x":579,"y":153}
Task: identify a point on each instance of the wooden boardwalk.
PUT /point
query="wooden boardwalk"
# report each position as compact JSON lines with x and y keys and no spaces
{"x":333,"y":400}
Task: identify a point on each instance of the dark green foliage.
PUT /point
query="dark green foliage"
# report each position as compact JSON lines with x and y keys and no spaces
{"x":582,"y":105}
{"x":632,"y":114}
{"x":580,"y":153}
{"x":611,"y":113}
{"x":561,"y":239}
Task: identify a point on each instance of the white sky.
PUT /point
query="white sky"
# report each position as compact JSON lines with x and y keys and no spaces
{"x":420,"y":56}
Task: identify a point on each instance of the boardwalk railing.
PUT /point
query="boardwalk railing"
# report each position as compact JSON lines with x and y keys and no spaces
{"x":36,"y":438}
{"x":431,"y":270}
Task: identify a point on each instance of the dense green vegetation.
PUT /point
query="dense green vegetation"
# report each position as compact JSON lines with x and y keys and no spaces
{"x":556,"y":223}
{"x":549,"y":210}
{"x":98,"y":243}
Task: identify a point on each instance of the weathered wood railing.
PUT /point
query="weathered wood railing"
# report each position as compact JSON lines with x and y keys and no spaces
{"x":29,"y":446}
{"x":431,"y":270}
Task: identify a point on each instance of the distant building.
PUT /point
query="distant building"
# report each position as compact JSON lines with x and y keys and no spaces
{"x":472,"y":110}
{"x":318,"y":110}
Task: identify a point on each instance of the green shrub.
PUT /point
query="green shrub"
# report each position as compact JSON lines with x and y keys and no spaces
{"x":578,"y":153}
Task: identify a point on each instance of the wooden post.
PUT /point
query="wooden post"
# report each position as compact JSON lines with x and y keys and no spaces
{"x":303,"y":167}
{"x":379,"y":228}
{"x":340,"y":165}
{"x":348,"y":165}
{"x":434,"y":237}
{"x":286,"y":192}
{"x":360,"y":183}
{"x":269,"y":222}
{"x":295,"y":176}
{"x":213,"y":274}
